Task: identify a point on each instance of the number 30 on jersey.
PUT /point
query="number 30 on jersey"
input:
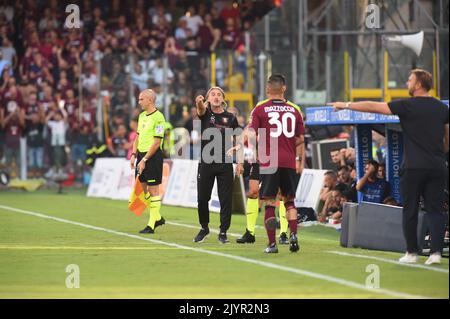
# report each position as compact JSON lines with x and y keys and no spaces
{"x":282,"y":126}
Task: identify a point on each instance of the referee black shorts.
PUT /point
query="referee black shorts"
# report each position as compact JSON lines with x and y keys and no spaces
{"x":284,"y":179}
{"x":152,"y":173}
{"x":251,"y":170}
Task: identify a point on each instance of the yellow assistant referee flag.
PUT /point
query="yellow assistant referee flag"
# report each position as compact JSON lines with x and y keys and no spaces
{"x":137,"y":203}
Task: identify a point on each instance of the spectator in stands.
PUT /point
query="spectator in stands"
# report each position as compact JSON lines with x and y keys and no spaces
{"x":175,"y":10}
{"x":57,"y":123}
{"x":118,"y":142}
{"x":158,"y":73}
{"x":230,"y":35}
{"x":160,"y":102}
{"x":34,"y":130}
{"x":90,"y":78}
{"x":8,"y":54}
{"x":118,"y":77}
{"x":374,"y":189}
{"x":194,"y":21}
{"x":174,"y":51}
{"x":209,"y":37}
{"x":230,"y":11}
{"x":131,"y":137}
{"x":330,"y":181}
{"x":217,"y":20}
{"x":12,"y":117}
{"x":192,"y":55}
{"x":335,"y":156}
{"x":344,"y":198}
{"x":160,"y":15}
{"x":182,"y":32}
{"x":333,"y":204}
{"x":80,"y":140}
{"x":344,"y":176}
{"x":381,"y":173}
{"x":139,"y":77}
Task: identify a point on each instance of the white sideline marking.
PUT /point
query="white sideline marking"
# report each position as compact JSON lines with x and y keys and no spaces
{"x":391,"y":261}
{"x":16,"y":247}
{"x":239,"y":258}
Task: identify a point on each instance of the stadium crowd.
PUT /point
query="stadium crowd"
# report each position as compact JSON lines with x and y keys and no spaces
{"x":52,"y":77}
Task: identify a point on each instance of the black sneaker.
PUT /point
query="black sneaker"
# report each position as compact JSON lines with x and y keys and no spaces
{"x":147,"y":230}
{"x":272,"y":249}
{"x":246,"y":238}
{"x":293,"y":243}
{"x":201,"y":236}
{"x":283,"y":239}
{"x":160,"y":222}
{"x":223,"y":238}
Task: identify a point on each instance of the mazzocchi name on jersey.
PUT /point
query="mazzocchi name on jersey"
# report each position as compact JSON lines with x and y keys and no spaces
{"x":279,"y":108}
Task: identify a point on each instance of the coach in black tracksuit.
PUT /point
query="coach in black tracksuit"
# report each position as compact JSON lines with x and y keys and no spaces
{"x":214,"y":165}
{"x":425,"y":124}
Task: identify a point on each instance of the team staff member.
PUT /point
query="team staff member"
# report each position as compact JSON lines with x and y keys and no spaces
{"x":424,"y":121}
{"x":213,"y":115}
{"x":281,"y":120}
{"x":147,"y":153}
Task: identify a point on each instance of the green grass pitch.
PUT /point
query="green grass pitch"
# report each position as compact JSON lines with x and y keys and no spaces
{"x":35,"y":251}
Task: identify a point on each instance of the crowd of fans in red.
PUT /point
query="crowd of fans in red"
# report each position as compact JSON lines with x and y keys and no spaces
{"x":51,"y":77}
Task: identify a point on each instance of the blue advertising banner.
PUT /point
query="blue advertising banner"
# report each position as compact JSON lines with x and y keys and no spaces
{"x":394,"y":159}
{"x":326,"y":116}
{"x":363,"y":150}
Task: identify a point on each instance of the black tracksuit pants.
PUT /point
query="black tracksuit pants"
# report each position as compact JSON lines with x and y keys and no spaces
{"x":430,"y":184}
{"x":206,"y":175}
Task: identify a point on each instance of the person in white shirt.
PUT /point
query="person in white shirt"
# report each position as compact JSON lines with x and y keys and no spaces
{"x":158,"y":73}
{"x":140,"y":78}
{"x":57,"y":124}
{"x":194,"y":21}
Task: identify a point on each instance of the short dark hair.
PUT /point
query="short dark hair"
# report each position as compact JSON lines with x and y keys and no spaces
{"x":343,"y":167}
{"x":331,"y":174}
{"x":374,"y":163}
{"x":277,"y":79}
{"x":424,"y":78}
{"x":341,"y":188}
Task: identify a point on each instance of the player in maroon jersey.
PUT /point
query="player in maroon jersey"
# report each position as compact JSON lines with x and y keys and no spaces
{"x":278,"y":125}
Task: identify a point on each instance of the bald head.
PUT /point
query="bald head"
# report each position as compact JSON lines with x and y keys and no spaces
{"x":150,"y":94}
{"x":147,"y":99}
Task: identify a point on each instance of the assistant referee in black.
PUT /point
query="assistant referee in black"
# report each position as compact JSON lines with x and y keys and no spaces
{"x":425,"y":125}
{"x":215,"y":120}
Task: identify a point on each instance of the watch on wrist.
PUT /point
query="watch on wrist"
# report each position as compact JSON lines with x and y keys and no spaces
{"x":298,"y":158}
{"x":145,"y":159}
{"x":347,"y":105}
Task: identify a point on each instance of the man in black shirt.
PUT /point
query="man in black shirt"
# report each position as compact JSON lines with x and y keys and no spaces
{"x":215,"y":120}
{"x":425,"y":124}
{"x":35,"y":141}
